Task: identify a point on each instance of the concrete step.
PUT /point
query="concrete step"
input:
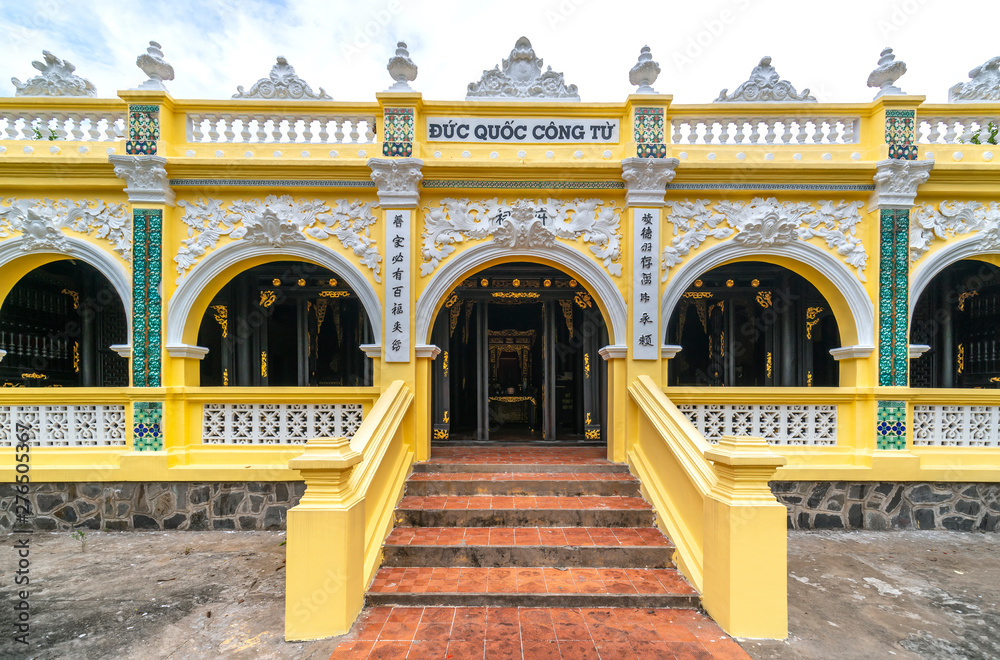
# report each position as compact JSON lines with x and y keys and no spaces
{"x":527,"y":556}
{"x":461,"y":467}
{"x":531,"y":587}
{"x":503,"y":511}
{"x":566,"y":484}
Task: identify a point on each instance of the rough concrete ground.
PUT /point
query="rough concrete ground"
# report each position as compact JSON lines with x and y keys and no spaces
{"x":220,"y":594}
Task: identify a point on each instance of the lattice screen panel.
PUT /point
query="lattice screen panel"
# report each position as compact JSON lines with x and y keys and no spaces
{"x":779,"y":425}
{"x":956,"y":426}
{"x":64,"y":426}
{"x":277,"y":423}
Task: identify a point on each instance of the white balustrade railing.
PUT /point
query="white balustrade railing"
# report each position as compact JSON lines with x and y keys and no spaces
{"x":277,"y":423}
{"x":79,"y":126}
{"x":956,"y":426}
{"x":775,"y":129}
{"x":63,"y":426}
{"x":812,"y":425}
{"x":321,"y":128}
{"x":955,"y":129}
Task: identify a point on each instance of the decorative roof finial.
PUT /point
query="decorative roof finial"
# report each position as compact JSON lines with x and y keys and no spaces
{"x":522,"y":79}
{"x":765,"y":85}
{"x":56,"y":79}
{"x":153,"y":65}
{"x":983,"y":86}
{"x":282,"y":83}
{"x":886,"y":74}
{"x":402,"y":69}
{"x":644,"y":72}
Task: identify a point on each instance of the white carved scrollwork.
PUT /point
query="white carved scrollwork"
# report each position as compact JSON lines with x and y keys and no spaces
{"x":396,"y":180}
{"x":984,"y":84}
{"x":521,"y":78}
{"x":766,"y":222}
{"x":954,"y":218}
{"x":41,"y":223}
{"x":277,"y":221}
{"x":145,"y":177}
{"x":896,"y":182}
{"x":526,"y":223}
{"x":765,"y":86}
{"x":56,"y":79}
{"x":282,"y":83}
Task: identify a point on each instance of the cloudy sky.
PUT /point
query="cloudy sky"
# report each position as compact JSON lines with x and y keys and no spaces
{"x":342,"y":46}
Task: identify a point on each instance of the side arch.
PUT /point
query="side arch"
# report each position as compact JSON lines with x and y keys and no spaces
{"x":205,"y":273}
{"x":595,"y":278}
{"x":967,"y":248}
{"x":853,"y":308}
{"x":13,"y":249}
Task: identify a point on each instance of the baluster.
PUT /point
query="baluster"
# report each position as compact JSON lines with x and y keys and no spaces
{"x":339,"y":134}
{"x":324,"y":137}
{"x":849,"y":130}
{"x":261,"y":128}
{"x":675,"y":129}
{"x":740,"y":135}
{"x":952,"y":134}
{"x":195,"y":133}
{"x":26,"y":126}
{"x":755,"y":132}
{"x":213,"y":128}
{"x":59,"y":125}
{"x":802,"y":134}
{"x":228,"y":124}
{"x":834,"y":130}
{"x":94,"y":128}
{"x":307,"y":128}
{"x":74,"y":127}
{"x":118,"y":125}
{"x":693,"y":125}
{"x":769,"y":138}
{"x":355,"y":136}
{"x":369,"y":129}
{"x":11,"y":128}
{"x":276,"y":128}
{"x":245,"y":134}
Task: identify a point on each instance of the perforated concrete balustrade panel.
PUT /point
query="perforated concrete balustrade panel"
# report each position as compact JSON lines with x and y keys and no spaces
{"x":64,"y":426}
{"x":277,"y":423}
{"x":780,"y":425}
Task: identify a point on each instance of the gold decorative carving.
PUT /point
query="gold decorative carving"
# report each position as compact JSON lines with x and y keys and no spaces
{"x":698,"y":283}
{"x":334,"y":294}
{"x":516,"y":282}
{"x":444,"y":365}
{"x":267,"y":298}
{"x":222,"y":318}
{"x":730,"y":283}
{"x":452,"y":300}
{"x":592,"y":434}
{"x":440,"y":434}
{"x":332,"y":282}
{"x":34,"y":376}
{"x":697,"y":294}
{"x":515,"y":294}
{"x":586,"y":368}
{"x":722,"y":344}
{"x":961,"y":358}
{"x":812,"y":314}
{"x":263,"y":364}
{"x":76,"y":356}
{"x":547,"y":283}
{"x":276,"y":282}
{"x":301,"y":282}
{"x":453,"y":313}
{"x":583,"y":300}
{"x":225,"y":377}
{"x":445,"y":418}
{"x":764,"y":299}
{"x":769,"y":365}
{"x":567,"y":312}
{"x":809,"y":379}
{"x":74,"y":295}
{"x":484,"y":282}
{"x":962,"y":297}
{"x":755,"y":282}
{"x":513,"y":399}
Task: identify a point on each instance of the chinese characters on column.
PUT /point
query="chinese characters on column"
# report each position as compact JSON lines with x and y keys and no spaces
{"x":397,"y":291}
{"x":645,"y":304}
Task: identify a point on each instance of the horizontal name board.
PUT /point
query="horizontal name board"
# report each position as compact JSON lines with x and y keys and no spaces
{"x":527,"y":130}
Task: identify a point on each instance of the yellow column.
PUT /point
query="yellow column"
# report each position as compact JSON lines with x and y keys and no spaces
{"x":324,"y":581}
{"x":745,"y":560}
{"x":618,"y":398}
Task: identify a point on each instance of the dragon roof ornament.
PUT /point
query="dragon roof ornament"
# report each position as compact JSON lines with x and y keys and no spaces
{"x":521,"y":78}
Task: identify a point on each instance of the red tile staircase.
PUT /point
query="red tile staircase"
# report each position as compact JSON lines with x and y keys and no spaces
{"x":529,"y":552}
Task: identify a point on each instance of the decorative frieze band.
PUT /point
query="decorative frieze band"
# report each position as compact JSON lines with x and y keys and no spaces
{"x":765,"y":222}
{"x":41,"y":223}
{"x":954,"y":218}
{"x":277,"y":221}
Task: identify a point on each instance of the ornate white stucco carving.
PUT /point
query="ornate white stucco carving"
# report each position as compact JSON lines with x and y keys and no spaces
{"x":402,"y":69}
{"x":56,"y":79}
{"x":526,"y":223}
{"x":885,"y":75}
{"x":282,"y":83}
{"x":397,"y":179}
{"x":145,"y":177}
{"x":153,"y":65}
{"x":644,"y":72}
{"x":646,"y":180}
{"x":764,"y":223}
{"x":41,"y":223}
{"x":896,"y":182}
{"x":954,"y":218}
{"x":521,"y":78}
{"x":984,"y":84}
{"x":765,"y":86}
{"x":277,"y":221}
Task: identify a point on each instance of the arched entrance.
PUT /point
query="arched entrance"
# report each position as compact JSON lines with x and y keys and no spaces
{"x":753,"y":324}
{"x":285,"y":324}
{"x":958,"y":316}
{"x":57,"y":326}
{"x":519,"y":359}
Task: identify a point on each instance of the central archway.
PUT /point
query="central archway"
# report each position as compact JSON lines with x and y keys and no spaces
{"x":519,"y":359}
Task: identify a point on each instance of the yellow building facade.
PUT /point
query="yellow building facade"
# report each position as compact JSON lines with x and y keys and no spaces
{"x":764,"y":289}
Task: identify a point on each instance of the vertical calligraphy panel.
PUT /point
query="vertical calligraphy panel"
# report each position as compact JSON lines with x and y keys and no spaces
{"x":397,"y":287}
{"x":645,"y":302}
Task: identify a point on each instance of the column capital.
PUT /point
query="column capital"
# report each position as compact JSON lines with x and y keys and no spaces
{"x":613,"y":352}
{"x":397,"y":180}
{"x":146,"y":180}
{"x":896,"y":183}
{"x":646,"y":180}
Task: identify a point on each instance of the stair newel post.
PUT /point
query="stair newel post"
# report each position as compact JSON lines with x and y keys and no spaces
{"x":324,"y":582}
{"x":745,"y":561}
